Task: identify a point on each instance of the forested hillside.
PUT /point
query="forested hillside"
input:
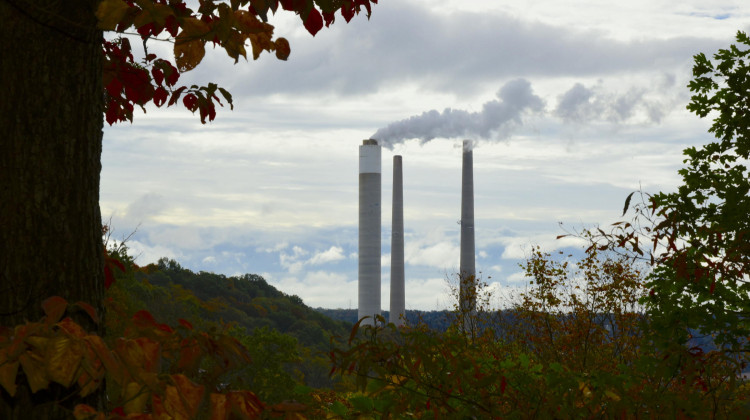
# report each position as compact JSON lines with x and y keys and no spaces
{"x":290,"y":340}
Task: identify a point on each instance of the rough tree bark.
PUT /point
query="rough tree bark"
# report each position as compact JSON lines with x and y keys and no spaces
{"x":50,"y":160}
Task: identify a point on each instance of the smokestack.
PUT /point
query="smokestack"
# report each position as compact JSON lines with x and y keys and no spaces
{"x":467,"y":271}
{"x":398,"y":304}
{"x":369,"y":230}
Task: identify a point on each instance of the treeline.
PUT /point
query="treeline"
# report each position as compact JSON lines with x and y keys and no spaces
{"x":435,"y":320}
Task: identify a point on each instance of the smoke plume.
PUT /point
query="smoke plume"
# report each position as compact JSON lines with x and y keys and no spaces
{"x":497,"y":119}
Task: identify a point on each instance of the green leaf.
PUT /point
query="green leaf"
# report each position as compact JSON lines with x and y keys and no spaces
{"x":362,"y":404}
{"x":339,"y":409}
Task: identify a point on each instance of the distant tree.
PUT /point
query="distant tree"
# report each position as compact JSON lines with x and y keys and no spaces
{"x":60,"y":79}
{"x":698,"y":238}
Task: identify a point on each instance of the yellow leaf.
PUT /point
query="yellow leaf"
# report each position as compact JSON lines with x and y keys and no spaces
{"x":110,"y":13}
{"x":63,"y":357}
{"x":8,"y":372}
{"x":38,"y":343}
{"x":585,"y":390}
{"x":135,"y":398}
{"x":612,"y":395}
{"x":189,"y":46}
{"x":260,"y":42}
{"x":35,"y":372}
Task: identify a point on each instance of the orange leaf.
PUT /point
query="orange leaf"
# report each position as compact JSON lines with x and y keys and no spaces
{"x":245,"y":404}
{"x":54,"y":307}
{"x":219,"y":407}
{"x":71,"y":328}
{"x":190,"y":355}
{"x":96,"y":344}
{"x":189,"y":395}
{"x":141,"y":354}
{"x":90,"y":310}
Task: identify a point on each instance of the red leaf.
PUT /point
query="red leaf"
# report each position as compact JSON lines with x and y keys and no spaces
{"x":314,"y":21}
{"x":329,"y":17}
{"x":185,"y":323}
{"x":111,"y":115}
{"x":190,"y":101}
{"x":347,"y":11}
{"x":172,"y":25}
{"x":117,"y":263}
{"x":114,"y":87}
{"x":176,"y":95}
{"x":158,"y":75}
{"x":146,"y":30}
{"x":144,"y":319}
{"x":160,"y":96}
{"x":503,"y":384}
{"x":109,"y":278}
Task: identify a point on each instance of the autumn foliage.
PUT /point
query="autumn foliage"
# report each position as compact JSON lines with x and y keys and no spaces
{"x":574,"y":345}
{"x":153,"y":371}
{"x":232,"y":26}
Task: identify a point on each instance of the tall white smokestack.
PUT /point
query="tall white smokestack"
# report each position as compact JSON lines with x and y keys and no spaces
{"x":369,"y":230}
{"x":467,"y":273}
{"x":398,"y":304}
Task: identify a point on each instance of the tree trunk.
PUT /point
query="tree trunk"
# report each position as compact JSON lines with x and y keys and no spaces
{"x":50,"y":161}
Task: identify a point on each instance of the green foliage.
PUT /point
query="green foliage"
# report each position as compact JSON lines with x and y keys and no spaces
{"x":698,"y":238}
{"x":274,"y":368}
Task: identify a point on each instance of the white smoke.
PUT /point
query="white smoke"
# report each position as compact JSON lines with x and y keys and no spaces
{"x":581,"y":104}
{"x":497,"y":120}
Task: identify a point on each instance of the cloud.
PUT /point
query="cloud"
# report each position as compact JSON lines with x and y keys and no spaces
{"x":318,"y":287}
{"x":497,"y":119}
{"x":146,"y":207}
{"x":412,"y":43}
{"x":334,"y":253}
{"x":432,"y":249}
{"x":294,"y":262}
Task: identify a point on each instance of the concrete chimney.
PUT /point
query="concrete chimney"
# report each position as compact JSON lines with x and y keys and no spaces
{"x":467,"y":271}
{"x":369,"y":230}
{"x":398,"y":304}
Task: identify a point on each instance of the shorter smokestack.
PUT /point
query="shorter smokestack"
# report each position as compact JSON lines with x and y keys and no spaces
{"x":398,"y":304}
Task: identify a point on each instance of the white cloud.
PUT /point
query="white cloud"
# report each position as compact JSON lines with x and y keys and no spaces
{"x":334,"y":253}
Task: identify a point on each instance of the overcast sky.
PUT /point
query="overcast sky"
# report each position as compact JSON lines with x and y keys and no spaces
{"x":573,"y":104}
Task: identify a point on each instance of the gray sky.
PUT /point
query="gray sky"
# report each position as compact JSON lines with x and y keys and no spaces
{"x":573,"y":104}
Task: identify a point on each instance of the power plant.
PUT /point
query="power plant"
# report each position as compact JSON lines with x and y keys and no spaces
{"x":369,"y":264}
{"x":398,"y":301}
{"x":369,"y":231}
